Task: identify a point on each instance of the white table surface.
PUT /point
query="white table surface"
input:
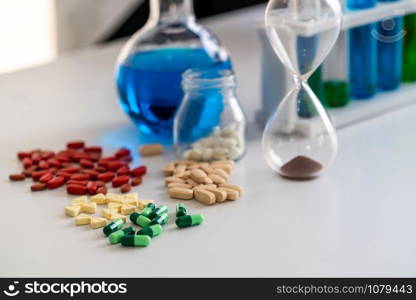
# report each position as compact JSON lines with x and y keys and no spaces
{"x":356,"y":220}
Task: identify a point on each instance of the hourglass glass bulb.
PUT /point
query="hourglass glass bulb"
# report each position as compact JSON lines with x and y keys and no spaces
{"x":303,"y":32}
{"x":299,"y":141}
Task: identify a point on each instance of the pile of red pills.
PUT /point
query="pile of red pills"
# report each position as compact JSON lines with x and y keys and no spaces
{"x":82,"y":169}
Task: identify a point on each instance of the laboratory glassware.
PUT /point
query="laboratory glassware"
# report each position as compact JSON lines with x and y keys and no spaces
{"x":362,"y":55}
{"x":409,"y":49}
{"x":210,"y":123}
{"x":360,"y":4}
{"x":150,"y":66}
{"x":335,"y":74}
{"x":302,"y":33}
{"x":390,"y":36}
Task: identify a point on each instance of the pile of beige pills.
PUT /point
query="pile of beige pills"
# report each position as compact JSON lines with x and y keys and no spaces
{"x":205,"y":182}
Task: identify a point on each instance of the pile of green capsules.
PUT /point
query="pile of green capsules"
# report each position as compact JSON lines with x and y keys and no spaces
{"x":151,"y":220}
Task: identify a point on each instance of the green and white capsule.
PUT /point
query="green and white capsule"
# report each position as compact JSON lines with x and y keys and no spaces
{"x":190,"y":220}
{"x":115,"y":237}
{"x":161,"y":220}
{"x":114,"y":226}
{"x":151,"y":231}
{"x":163,"y":209}
{"x":135,"y":240}
{"x":148,"y":210}
{"x":180,"y":210}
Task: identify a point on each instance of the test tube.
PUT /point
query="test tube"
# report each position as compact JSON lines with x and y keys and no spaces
{"x":362,"y":55}
{"x":360,"y":4}
{"x":409,"y":49}
{"x":389,"y":36}
{"x":335,"y":73}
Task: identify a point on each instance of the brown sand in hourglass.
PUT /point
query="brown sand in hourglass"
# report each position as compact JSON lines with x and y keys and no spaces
{"x":301,"y":167}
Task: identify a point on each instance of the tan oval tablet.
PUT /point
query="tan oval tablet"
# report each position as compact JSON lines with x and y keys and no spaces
{"x":169,"y":169}
{"x":204,"y":186}
{"x":181,"y":193}
{"x":184,"y":175}
{"x":217,"y":179}
{"x":185,"y":162}
{"x":214,"y":186}
{"x":208,"y":180}
{"x":173,"y":179}
{"x":233,"y":187}
{"x":224,"y":162}
{"x":179,"y":185}
{"x":226,"y":168}
{"x":180,"y":169}
{"x":205,"y":196}
{"x":222,"y":173}
{"x":151,"y":149}
{"x":194,"y":166}
{"x":198,"y":176}
{"x":207,"y":169}
{"x":231,"y":194}
{"x":191,"y":182}
{"x":220,"y":195}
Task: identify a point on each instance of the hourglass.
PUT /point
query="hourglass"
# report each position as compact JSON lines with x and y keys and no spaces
{"x":299,"y":141}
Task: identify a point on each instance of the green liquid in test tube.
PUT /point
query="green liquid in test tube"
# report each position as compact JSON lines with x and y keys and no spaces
{"x":336,"y":88}
{"x":409,"y":49}
{"x":336,"y":93}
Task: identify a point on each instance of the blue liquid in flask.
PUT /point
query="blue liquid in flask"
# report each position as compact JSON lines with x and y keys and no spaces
{"x":149,"y":85}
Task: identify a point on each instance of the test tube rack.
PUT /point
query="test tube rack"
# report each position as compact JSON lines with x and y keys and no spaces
{"x":276,"y":81}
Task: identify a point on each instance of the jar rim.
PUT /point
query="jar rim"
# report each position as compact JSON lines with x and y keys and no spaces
{"x":210,"y":78}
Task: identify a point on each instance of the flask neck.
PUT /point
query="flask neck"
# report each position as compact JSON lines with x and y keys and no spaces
{"x":172,"y":11}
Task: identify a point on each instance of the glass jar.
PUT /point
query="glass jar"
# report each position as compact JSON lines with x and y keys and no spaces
{"x":151,"y":64}
{"x":210,"y":123}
